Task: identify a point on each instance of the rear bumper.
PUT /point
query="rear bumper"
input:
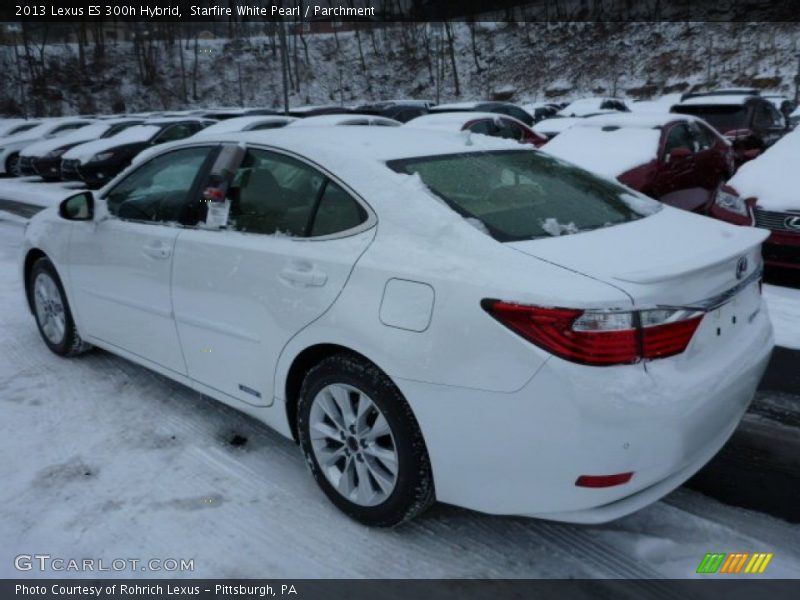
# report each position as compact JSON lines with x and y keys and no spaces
{"x":521,"y":453}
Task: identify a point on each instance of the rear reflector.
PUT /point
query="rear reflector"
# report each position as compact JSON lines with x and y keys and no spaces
{"x":599,"y":338}
{"x":603,"y":481}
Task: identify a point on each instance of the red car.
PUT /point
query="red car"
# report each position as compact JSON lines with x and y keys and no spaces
{"x":763,"y":193}
{"x":676,"y":159}
{"x":491,"y":124}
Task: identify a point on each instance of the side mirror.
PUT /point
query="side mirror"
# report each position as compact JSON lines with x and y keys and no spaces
{"x":678,"y":154}
{"x":79,"y":207}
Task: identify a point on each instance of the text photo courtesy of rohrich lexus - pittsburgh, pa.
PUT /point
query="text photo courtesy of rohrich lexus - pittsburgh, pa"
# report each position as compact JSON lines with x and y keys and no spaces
{"x":487,"y":299}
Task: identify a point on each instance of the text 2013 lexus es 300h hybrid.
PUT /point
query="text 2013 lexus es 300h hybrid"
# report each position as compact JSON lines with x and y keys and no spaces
{"x":432,"y":316}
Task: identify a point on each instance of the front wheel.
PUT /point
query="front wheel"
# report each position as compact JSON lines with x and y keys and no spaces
{"x":51,"y":310}
{"x":362,"y":442}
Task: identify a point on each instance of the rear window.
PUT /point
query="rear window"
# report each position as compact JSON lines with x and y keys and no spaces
{"x":522,"y":195}
{"x":722,"y":118}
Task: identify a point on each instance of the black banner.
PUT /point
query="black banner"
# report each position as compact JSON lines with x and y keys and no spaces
{"x":712,"y":586}
{"x":398,"y":10}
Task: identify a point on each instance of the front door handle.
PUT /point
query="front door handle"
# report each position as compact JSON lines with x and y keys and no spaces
{"x":158,"y":250}
{"x":303,"y":277}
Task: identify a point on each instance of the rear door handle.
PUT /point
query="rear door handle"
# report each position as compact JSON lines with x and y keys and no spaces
{"x":302,"y":277}
{"x":157,"y":250}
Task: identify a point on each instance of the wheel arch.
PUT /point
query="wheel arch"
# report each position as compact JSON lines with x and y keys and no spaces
{"x":304,"y":361}
{"x":31,"y":257}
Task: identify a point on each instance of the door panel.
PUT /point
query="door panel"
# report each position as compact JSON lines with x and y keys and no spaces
{"x":121,"y":264}
{"x":120,"y":274}
{"x":240,"y":293}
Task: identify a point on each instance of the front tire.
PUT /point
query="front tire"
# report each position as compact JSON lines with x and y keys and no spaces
{"x":51,"y":310}
{"x":12,"y":165}
{"x":362,"y":442}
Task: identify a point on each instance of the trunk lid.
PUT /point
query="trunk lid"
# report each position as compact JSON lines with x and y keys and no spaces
{"x":670,"y":258}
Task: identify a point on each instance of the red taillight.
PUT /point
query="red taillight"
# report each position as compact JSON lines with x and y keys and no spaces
{"x":603,"y":481}
{"x":596,"y":337}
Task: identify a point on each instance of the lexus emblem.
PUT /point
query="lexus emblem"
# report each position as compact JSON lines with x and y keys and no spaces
{"x":741,"y":267}
{"x":792,"y":223}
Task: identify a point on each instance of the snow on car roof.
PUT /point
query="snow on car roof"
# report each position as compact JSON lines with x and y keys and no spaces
{"x":646,"y":120}
{"x":245,"y":123}
{"x":772,"y":177}
{"x":131,"y":135}
{"x":458,"y":105}
{"x":584,"y":106}
{"x":555,"y":125}
{"x":358,"y":154}
{"x":591,"y":148}
{"x":715,"y":99}
{"x":453,"y":121}
{"x":344,"y":119}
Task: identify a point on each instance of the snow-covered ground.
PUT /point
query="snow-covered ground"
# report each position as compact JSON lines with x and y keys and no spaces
{"x":102,"y":458}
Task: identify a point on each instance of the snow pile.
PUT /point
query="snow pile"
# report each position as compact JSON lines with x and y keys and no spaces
{"x":773,"y":177}
{"x":609,"y":152}
{"x":784,"y":310}
{"x":554,"y":228}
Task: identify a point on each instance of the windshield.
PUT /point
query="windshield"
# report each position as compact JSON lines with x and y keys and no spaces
{"x":722,"y":118}
{"x":521,"y":195}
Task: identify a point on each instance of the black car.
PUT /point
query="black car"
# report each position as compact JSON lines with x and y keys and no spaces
{"x":97,"y":162}
{"x":749,"y":121}
{"x":503,"y":108}
{"x":397,"y":110}
{"x":48,"y":165}
{"x":314,"y":111}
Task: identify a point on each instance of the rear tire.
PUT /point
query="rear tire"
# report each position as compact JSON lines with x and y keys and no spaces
{"x":354,"y":419}
{"x":51,"y":310}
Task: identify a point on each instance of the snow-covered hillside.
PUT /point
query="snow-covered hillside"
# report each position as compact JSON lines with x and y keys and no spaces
{"x":526,"y":61}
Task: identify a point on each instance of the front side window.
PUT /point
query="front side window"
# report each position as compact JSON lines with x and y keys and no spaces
{"x":679,"y":136}
{"x":484,"y":127}
{"x":522,"y":195}
{"x":703,"y":136}
{"x":159,"y":189}
{"x":509,"y":130}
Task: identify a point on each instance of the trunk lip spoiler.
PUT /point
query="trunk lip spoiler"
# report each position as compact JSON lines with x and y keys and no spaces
{"x":701,"y":306}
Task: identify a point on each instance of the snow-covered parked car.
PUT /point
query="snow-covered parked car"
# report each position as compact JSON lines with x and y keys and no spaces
{"x":763,"y":193}
{"x":44,"y":158}
{"x":345,"y":119}
{"x":251,"y":123}
{"x":502,"y":108}
{"x":550,"y":128}
{"x":430,"y":317}
{"x":12,"y":145}
{"x":679,"y":160}
{"x":99,"y":161}
{"x":590,"y":106}
{"x":491,"y":124}
{"x":14,"y":126}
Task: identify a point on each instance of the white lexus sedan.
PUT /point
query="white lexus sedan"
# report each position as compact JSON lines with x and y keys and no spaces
{"x":431,"y":317}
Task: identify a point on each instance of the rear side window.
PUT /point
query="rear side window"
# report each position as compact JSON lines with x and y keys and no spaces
{"x":273,"y":194}
{"x":521,"y":195}
{"x":337,"y":211}
{"x":723,"y":117}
